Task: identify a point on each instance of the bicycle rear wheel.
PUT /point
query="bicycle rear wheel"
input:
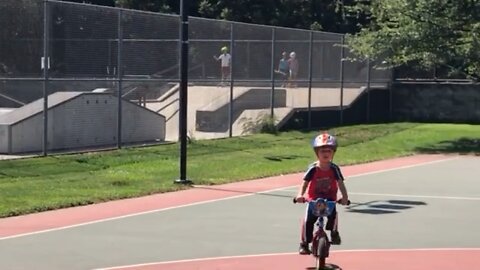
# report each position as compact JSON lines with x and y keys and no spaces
{"x":322,"y":252}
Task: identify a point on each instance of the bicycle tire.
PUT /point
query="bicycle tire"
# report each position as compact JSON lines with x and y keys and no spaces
{"x":322,"y":253}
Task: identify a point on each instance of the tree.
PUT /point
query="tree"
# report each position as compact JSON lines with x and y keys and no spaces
{"x":163,"y":6}
{"x":428,"y":33}
{"x":110,"y":3}
{"x":326,"y":15}
{"x":21,"y":36}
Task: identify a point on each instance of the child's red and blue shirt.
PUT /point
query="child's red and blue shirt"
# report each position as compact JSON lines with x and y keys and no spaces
{"x":322,"y":183}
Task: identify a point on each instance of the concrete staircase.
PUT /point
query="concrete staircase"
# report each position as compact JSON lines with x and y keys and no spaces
{"x":208,"y":107}
{"x":215,"y":116}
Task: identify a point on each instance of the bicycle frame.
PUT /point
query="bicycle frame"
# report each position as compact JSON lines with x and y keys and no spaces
{"x":319,"y":233}
{"x":320,"y":242}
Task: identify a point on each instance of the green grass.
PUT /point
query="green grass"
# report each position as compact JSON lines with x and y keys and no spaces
{"x":39,"y":184}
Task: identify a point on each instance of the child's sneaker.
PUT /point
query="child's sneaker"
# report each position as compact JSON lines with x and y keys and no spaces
{"x":335,"y":236}
{"x":303,"y":249}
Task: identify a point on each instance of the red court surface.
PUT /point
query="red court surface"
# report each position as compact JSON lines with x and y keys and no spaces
{"x":381,"y":259}
{"x":421,"y":259}
{"x":51,"y":220}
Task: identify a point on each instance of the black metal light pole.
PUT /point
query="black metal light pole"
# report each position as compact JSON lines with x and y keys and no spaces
{"x":183,"y":92}
{"x":272,"y":77}
{"x":230,"y":104}
{"x":369,"y":69}
{"x":342,"y":77}
{"x":119,"y":77}
{"x":45,"y":65}
{"x":310,"y":68}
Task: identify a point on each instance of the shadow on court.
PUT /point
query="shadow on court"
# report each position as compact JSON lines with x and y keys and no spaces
{"x":328,"y":266}
{"x":383,"y":206}
{"x":371,"y":207}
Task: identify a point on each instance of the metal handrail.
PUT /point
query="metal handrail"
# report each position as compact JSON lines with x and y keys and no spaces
{"x":12,"y":99}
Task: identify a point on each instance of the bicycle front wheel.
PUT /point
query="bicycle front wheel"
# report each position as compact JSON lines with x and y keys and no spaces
{"x":322,"y":252}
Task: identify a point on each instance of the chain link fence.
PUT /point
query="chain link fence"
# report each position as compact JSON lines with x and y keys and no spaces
{"x":77,"y":76}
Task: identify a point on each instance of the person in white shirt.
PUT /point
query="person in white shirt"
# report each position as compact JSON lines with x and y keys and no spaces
{"x":226,"y":60}
{"x":293,"y":65}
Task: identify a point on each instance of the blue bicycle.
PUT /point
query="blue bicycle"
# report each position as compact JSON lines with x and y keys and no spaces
{"x":320,"y":242}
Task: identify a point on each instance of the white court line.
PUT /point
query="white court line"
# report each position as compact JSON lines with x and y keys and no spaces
{"x":379,"y":171}
{"x":404,"y":167}
{"x":417,"y":196}
{"x":210,"y":201}
{"x":127,"y":216}
{"x":284,"y":254}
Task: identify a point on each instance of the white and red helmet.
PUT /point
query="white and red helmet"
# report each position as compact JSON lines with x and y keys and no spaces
{"x":325,"y":139}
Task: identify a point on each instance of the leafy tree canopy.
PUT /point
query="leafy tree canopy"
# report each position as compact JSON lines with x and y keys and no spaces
{"x":326,"y":15}
{"x":428,"y":33}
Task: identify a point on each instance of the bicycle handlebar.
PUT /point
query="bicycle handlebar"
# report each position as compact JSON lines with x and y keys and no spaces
{"x":338,"y":201}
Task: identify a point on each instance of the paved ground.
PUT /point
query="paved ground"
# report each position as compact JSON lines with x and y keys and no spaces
{"x":408,"y":213}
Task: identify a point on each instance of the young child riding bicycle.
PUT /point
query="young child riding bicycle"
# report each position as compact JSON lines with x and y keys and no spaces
{"x":322,"y":179}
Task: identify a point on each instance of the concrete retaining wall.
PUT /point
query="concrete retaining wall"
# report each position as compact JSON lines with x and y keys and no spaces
{"x":439,"y":102}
